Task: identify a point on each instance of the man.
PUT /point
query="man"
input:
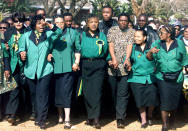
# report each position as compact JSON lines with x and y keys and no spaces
{"x":68,"y":19}
{"x":143,"y":24}
{"x":120,"y":40}
{"x":107,"y":22}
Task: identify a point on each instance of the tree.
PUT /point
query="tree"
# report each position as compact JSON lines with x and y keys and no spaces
{"x":75,"y":6}
{"x":139,"y":6}
{"x":116,"y":6}
{"x":16,"y":5}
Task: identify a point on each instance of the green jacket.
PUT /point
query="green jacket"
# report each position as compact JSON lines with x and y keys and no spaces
{"x":36,"y":63}
{"x":11,"y":54}
{"x":142,"y":68}
{"x":172,"y":60}
{"x":64,"y":50}
{"x":90,"y":48}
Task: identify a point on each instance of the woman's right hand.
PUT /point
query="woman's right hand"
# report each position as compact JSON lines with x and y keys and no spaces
{"x":23,"y":55}
{"x":49,"y":58}
{"x":154,"y":50}
{"x":7,"y":74}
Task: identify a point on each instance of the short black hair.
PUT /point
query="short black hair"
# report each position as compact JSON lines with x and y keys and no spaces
{"x":124,"y":14}
{"x":40,"y":9}
{"x":143,"y":32}
{"x":107,"y":6}
{"x":34,"y":21}
{"x":91,"y":16}
{"x":4,"y":22}
{"x":57,"y":16}
{"x":18,"y":15}
{"x":144,"y":15}
{"x":67,"y":14}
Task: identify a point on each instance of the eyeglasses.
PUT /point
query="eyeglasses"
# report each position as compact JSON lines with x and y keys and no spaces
{"x":3,"y":27}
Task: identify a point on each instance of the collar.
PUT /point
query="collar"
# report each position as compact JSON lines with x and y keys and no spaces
{"x":14,"y":32}
{"x":172,"y":46}
{"x":97,"y":33}
{"x":64,"y":31}
{"x":42,"y":38}
{"x":147,"y":47}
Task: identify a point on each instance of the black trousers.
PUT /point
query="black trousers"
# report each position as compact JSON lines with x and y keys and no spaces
{"x":13,"y":96}
{"x":120,"y":94}
{"x":39,"y":93}
{"x":93,"y":77}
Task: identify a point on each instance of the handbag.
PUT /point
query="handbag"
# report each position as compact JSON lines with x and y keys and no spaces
{"x":173,"y":76}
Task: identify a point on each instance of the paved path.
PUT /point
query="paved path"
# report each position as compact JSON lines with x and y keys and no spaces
{"x":78,"y":125}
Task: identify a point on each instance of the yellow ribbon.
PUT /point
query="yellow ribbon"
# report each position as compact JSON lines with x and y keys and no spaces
{"x":100,"y":43}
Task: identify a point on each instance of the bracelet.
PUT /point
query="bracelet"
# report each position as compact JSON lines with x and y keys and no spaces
{"x":127,"y":59}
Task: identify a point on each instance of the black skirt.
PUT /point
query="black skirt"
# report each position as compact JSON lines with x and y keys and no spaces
{"x":145,"y":95}
{"x":93,"y":76}
{"x":170,"y":93}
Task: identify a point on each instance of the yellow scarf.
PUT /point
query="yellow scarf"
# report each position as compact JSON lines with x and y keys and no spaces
{"x":38,"y":34}
{"x":15,"y":44}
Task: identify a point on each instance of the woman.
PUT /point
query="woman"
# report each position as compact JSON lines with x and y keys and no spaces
{"x":66,"y":58}
{"x":142,"y":78}
{"x":34,"y":48}
{"x":170,"y":56}
{"x":13,"y":64}
{"x":94,"y":48}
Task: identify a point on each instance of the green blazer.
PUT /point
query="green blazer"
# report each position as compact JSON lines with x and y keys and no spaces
{"x":11,"y":54}
{"x":142,"y":69}
{"x":36,"y":63}
{"x":172,"y":60}
{"x":64,"y":50}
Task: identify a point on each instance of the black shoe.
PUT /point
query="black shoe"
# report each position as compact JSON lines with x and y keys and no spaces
{"x":150,"y":123}
{"x":67,"y":125}
{"x":36,"y":123}
{"x":42,"y":125}
{"x":11,"y":120}
{"x":89,"y":122}
{"x":97,"y":125}
{"x":120,"y":123}
{"x":145,"y":125}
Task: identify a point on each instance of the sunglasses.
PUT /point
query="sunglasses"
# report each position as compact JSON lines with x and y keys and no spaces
{"x":3,"y":27}
{"x":20,"y":21}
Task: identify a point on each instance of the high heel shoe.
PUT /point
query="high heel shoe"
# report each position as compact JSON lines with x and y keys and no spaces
{"x":67,"y":125}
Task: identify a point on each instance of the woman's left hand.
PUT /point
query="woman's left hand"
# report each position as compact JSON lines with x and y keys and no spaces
{"x":75,"y":67}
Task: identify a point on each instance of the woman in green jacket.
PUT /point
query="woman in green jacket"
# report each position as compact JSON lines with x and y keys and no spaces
{"x":34,"y":47}
{"x":170,"y":57}
{"x":13,"y":64}
{"x":94,"y":50}
{"x":66,"y":59}
{"x":142,"y":78}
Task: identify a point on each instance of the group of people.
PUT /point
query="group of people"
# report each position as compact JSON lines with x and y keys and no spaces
{"x":147,"y":61}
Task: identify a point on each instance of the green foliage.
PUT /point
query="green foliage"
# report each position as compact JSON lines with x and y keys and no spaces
{"x":116,"y":6}
{"x":16,"y":5}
